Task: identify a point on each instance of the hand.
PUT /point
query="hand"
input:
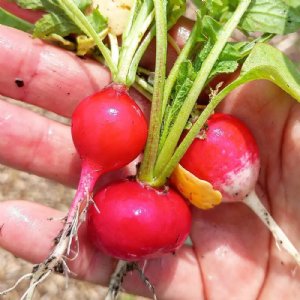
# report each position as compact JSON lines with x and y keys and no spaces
{"x":233,"y":256}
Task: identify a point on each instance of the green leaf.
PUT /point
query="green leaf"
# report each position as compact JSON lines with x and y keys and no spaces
{"x":30,"y":4}
{"x":217,"y":8}
{"x":54,"y":24}
{"x":40,"y":4}
{"x":224,"y":67}
{"x":57,"y":22}
{"x":186,"y":71}
{"x":272,"y":16}
{"x":175,"y":9}
{"x":185,"y":79}
{"x":265,"y":16}
{"x":292,"y":3}
{"x":11,"y":20}
{"x":267,"y":62}
{"x":98,"y":21}
{"x":227,"y":61}
{"x":82,"y":4}
{"x":211,"y":28}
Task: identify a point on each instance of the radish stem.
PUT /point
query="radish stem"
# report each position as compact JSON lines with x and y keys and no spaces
{"x":184,"y":113}
{"x":253,"y":202}
{"x":148,"y":163}
{"x":133,"y":40}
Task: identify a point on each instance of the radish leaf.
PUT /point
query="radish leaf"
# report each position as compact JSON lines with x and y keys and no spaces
{"x":175,"y":9}
{"x":265,"y":16}
{"x":267,"y":62}
{"x":57,"y":22}
{"x":30,"y":4}
{"x":42,"y":4}
{"x":272,"y":16}
{"x":54,"y":24}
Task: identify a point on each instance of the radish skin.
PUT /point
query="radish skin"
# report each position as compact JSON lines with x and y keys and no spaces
{"x":132,"y":221}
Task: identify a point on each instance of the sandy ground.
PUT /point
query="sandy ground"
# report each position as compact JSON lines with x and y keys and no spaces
{"x":19,"y":185}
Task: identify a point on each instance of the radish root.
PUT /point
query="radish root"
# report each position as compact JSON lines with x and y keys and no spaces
{"x":117,"y":278}
{"x":254,"y":203}
{"x":56,"y":261}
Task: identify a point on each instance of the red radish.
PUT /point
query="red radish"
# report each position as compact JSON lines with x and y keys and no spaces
{"x":108,"y":130}
{"x":227,"y":156}
{"x":132,"y":221}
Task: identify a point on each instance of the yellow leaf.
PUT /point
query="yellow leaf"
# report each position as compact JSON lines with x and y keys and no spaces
{"x":199,"y":192}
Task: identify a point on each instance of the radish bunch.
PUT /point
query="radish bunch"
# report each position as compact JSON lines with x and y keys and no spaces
{"x":143,"y":218}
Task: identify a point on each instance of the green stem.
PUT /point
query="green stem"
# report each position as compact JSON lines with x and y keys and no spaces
{"x":183,"y":55}
{"x":173,"y":44}
{"x":133,"y":38}
{"x":8,"y":19}
{"x":180,"y":59}
{"x":76,"y":15}
{"x":147,"y":166}
{"x":133,"y":12}
{"x":185,"y":111}
{"x":114,"y":46}
{"x":144,"y":84}
{"x":139,"y":54}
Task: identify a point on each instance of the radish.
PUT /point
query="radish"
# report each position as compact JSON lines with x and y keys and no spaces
{"x":132,"y":221}
{"x":228,"y":158}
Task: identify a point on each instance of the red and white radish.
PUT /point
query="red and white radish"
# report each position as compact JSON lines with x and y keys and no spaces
{"x":227,"y":156}
{"x":131,"y":221}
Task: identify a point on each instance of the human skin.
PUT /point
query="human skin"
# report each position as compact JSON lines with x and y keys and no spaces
{"x":233,"y":255}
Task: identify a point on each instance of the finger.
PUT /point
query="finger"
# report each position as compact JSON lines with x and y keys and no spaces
{"x":26,"y":14}
{"x":53,"y":78}
{"x":44,"y":75}
{"x":35,"y":144}
{"x":28,"y":224}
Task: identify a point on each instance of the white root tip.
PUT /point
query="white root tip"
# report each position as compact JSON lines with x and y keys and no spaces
{"x":282,"y":241}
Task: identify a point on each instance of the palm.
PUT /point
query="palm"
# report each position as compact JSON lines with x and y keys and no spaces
{"x":236,"y":252}
{"x":233,"y":255}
